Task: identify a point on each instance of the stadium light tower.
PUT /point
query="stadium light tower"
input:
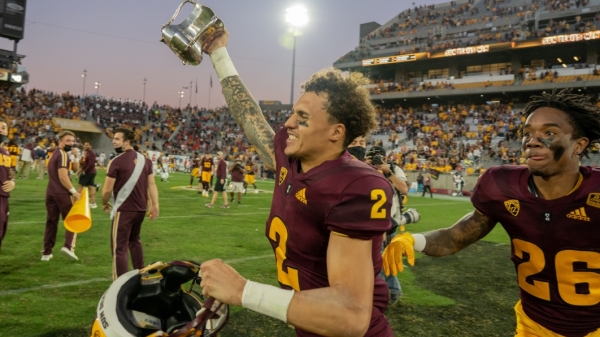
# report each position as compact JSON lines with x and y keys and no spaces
{"x":97,"y":87}
{"x":84,"y":75}
{"x":180,"y":96}
{"x":297,"y":17}
{"x":144,"y":99}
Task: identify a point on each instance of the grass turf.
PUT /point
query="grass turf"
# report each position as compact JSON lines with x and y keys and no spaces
{"x":469,"y":294}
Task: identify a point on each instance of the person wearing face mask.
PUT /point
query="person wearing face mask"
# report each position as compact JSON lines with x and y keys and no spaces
{"x":60,"y":196}
{"x":7,"y":179}
{"x":397,"y":179}
{"x":358,"y":148}
{"x":129,"y":180}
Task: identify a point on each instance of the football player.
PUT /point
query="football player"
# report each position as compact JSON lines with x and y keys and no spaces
{"x":550,"y":213}
{"x":195,"y":168}
{"x":329,"y":211}
{"x":250,"y":172}
{"x":15,"y":152}
{"x":207,"y":167}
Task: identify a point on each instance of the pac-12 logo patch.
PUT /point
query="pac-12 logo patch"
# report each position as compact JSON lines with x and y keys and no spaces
{"x":282,"y":175}
{"x":593,"y":200}
{"x":512,"y":206}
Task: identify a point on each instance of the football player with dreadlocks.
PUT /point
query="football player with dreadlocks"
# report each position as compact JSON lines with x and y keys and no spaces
{"x":550,"y":213}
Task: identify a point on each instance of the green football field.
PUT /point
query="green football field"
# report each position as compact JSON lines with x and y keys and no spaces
{"x":469,"y":294}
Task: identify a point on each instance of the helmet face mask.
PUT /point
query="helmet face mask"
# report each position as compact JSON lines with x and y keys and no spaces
{"x":152,"y":300}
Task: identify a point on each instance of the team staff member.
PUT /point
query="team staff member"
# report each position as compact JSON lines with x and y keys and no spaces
{"x":7,"y":179}
{"x":550,"y":210}
{"x":220,"y":185}
{"x":58,"y":196}
{"x":40,"y":154}
{"x":237,"y":178}
{"x":129,"y":179}
{"x":206,"y":165}
{"x":88,"y":173}
{"x":329,"y":211}
{"x":250,"y":171}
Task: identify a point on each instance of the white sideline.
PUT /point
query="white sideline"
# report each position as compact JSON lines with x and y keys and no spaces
{"x":76,"y":283}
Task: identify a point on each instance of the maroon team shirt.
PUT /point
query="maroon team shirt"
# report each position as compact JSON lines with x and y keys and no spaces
{"x":222,"y":169}
{"x":121,"y":168}
{"x":4,"y":170}
{"x":60,"y":159}
{"x":555,"y":246}
{"x":237,"y":176}
{"x":89,"y":162}
{"x":344,"y":196}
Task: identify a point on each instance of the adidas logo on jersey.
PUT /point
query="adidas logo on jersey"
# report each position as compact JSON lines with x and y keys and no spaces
{"x":578,"y":214}
{"x":301,"y":196}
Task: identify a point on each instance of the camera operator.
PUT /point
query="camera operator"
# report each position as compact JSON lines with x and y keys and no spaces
{"x":237,"y":179}
{"x":396,"y":177}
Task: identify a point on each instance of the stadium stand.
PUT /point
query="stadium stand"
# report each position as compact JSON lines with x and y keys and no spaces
{"x":451,"y":79}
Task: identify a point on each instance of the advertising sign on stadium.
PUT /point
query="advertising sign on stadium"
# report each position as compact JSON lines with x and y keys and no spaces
{"x":571,"y":37}
{"x":4,"y":74}
{"x":391,"y":59}
{"x":467,"y":50}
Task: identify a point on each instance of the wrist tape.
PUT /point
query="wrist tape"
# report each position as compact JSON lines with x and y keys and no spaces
{"x":222,"y":63}
{"x":267,"y":300}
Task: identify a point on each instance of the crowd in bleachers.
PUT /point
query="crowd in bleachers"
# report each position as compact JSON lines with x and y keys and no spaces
{"x":452,"y":138}
{"x":412,"y":40}
{"x":215,"y":129}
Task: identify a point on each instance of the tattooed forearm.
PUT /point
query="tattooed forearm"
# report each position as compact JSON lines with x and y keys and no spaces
{"x":249,"y":116}
{"x":471,"y":228}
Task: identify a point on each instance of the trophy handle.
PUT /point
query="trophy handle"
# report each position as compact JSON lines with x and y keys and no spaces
{"x":178,"y":10}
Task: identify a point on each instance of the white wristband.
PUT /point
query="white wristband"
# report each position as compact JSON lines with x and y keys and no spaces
{"x":267,"y":300}
{"x":420,"y":242}
{"x":72,"y":190}
{"x":222,"y":63}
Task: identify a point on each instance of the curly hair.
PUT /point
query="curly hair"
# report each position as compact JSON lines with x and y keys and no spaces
{"x":584,"y":117}
{"x":348,"y":102}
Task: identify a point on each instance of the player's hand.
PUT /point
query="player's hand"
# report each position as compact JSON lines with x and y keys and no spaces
{"x":216,"y":43}
{"x":76,"y":196}
{"x":222,"y":181}
{"x":401,"y":245}
{"x":222,"y":282}
{"x":8,"y":186}
{"x":153,"y":212}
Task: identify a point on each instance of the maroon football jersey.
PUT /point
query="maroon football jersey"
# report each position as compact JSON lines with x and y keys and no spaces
{"x":59,"y":159}
{"x":4,"y":169}
{"x":206,"y":164}
{"x":344,"y":196}
{"x":121,"y":168}
{"x":555,"y":246}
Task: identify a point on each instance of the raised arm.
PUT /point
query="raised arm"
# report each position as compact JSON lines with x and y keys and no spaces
{"x":242,"y":105}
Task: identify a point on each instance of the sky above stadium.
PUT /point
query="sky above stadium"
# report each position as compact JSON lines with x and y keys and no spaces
{"x":117,"y":42}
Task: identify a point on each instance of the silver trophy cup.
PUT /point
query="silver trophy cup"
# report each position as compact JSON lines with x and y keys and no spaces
{"x":189,"y":38}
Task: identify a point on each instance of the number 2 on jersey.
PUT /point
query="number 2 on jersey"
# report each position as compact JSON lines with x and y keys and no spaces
{"x":378,"y":211}
{"x":289,"y":276}
{"x":578,"y":284}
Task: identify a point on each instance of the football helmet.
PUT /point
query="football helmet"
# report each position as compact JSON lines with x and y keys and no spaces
{"x":152,"y":302}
